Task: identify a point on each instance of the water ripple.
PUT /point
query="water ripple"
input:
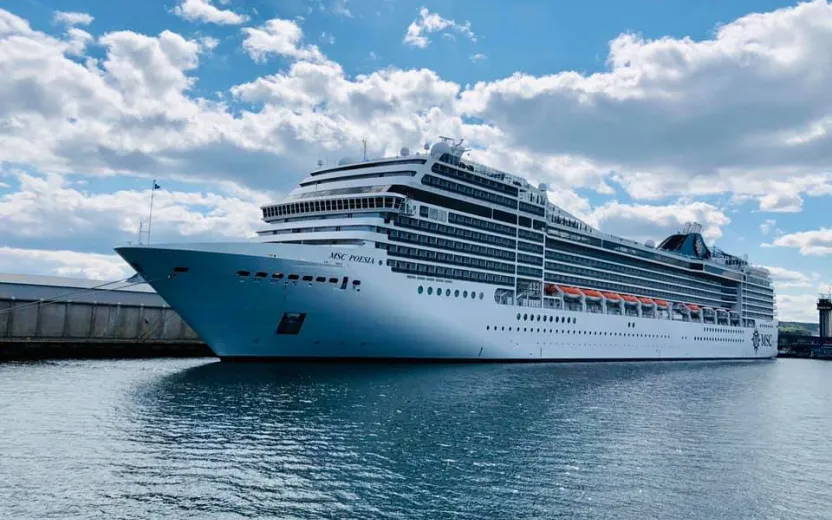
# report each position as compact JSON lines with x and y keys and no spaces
{"x":190,"y":439}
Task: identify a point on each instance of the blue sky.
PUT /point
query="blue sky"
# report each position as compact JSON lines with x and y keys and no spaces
{"x":640,"y":115}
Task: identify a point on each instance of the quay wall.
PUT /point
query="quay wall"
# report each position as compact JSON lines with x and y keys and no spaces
{"x":37,"y":322}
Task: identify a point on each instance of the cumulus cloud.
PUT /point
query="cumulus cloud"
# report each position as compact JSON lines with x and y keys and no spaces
{"x":280,"y":37}
{"x":743,"y":113}
{"x":677,"y":116}
{"x":767,"y":226}
{"x":797,"y":307}
{"x":791,"y":279}
{"x":75,"y":264}
{"x":643,"y":222}
{"x":31,"y":211}
{"x":816,"y":242}
{"x":72,"y":19}
{"x":432,"y":22}
{"x":203,"y":11}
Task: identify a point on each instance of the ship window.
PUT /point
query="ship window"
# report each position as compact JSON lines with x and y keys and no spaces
{"x":293,"y":277}
{"x":430,"y":290}
{"x":464,"y":293}
{"x":356,"y":282}
{"x":243,"y":273}
{"x":481,"y":296}
{"x":180,"y":269}
{"x":456,"y":294}
{"x":421,"y":289}
{"x":518,"y":316}
{"x":333,"y":280}
{"x":525,"y":317}
{"x":320,"y":279}
{"x":447,"y":292}
{"x":277,"y":276}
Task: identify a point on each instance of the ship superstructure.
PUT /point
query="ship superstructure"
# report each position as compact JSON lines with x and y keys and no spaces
{"x":434,"y":256}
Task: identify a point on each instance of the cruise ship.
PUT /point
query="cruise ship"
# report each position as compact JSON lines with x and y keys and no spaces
{"x":432,"y":256}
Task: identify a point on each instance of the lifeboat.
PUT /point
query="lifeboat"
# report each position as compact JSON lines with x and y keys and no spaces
{"x":646,"y":301}
{"x":592,"y":294}
{"x":629,"y":299}
{"x":571,"y":292}
{"x":550,"y":289}
{"x":693,"y":307}
{"x":611,"y":296}
{"x":660,"y":303}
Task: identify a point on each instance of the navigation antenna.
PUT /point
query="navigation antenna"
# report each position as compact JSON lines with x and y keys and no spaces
{"x":457,"y":147}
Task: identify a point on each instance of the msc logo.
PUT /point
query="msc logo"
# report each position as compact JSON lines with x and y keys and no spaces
{"x":755,"y":339}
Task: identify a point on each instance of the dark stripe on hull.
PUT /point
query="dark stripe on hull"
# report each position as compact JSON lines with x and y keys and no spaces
{"x":404,"y":360}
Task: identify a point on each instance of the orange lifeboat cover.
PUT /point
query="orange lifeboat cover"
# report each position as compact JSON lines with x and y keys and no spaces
{"x":574,"y":291}
{"x":645,"y":299}
{"x":693,"y":307}
{"x":660,"y":303}
{"x":592,"y":293}
{"x":629,"y":298}
{"x":612,"y":296}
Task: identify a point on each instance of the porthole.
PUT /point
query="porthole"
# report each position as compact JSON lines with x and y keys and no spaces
{"x":277,"y":276}
{"x":439,"y":291}
{"x":464,"y":294}
{"x":482,"y":296}
{"x":473,"y":295}
{"x":307,"y":278}
{"x":447,"y":292}
{"x":456,"y":293}
{"x":518,"y":316}
{"x":525,"y":317}
{"x":557,"y":319}
{"x":320,"y":279}
{"x":421,"y":289}
{"x":430,"y":290}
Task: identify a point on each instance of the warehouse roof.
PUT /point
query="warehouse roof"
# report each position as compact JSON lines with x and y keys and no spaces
{"x":73,"y":283}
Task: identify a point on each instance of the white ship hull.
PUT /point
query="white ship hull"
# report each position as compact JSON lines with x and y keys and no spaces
{"x":385,"y":317}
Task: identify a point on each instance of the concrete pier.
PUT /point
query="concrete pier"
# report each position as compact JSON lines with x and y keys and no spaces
{"x":50,"y":317}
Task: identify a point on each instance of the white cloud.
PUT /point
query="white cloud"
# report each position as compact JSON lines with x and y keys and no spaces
{"x":40,"y":201}
{"x":478,"y":57}
{"x":71,"y":19}
{"x":77,"y":40}
{"x":817,"y":242}
{"x":204,"y":11}
{"x":670,"y":117}
{"x":641,"y":222}
{"x":64,"y":263}
{"x":799,"y":307}
{"x":431,"y":22}
{"x":683,"y":117}
{"x":767,"y":226}
{"x":791,"y":279}
{"x":281,"y":37}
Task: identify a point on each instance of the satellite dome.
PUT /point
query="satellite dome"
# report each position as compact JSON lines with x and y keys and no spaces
{"x":405,"y":151}
{"x":650,"y":244}
{"x":440,"y":148}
